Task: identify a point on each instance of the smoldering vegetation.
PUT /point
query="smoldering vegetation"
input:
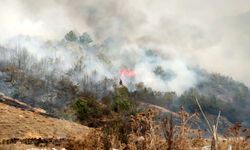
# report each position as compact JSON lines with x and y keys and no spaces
{"x":200,"y":32}
{"x":52,"y":74}
{"x":112,"y":65}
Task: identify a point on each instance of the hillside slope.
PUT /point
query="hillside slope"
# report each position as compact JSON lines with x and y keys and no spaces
{"x":17,"y":123}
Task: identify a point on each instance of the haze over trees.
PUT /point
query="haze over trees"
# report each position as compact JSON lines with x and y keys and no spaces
{"x":85,"y":86}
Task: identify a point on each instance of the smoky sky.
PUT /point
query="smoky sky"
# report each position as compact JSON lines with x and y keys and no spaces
{"x":212,"y":34}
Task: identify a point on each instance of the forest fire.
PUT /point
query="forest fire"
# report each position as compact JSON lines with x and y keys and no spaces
{"x":127,"y":73}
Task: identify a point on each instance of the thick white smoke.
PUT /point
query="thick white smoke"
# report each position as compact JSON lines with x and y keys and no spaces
{"x":180,"y":33}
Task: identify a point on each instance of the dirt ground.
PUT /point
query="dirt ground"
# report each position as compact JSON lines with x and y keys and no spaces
{"x":21,"y":124}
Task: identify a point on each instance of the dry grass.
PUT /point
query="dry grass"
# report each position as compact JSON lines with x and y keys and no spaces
{"x":17,"y":123}
{"x":142,"y":132}
{"x":237,"y":137}
{"x":136,"y":132}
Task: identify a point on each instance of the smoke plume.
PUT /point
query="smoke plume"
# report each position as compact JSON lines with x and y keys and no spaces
{"x":158,"y":40}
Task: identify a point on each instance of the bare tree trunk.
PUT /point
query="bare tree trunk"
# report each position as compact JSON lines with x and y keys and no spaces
{"x":214,"y":139}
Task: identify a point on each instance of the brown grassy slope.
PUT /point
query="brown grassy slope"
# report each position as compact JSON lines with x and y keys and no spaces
{"x":17,"y":123}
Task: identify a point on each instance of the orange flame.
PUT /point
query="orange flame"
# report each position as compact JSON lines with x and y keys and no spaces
{"x":126,"y":72}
